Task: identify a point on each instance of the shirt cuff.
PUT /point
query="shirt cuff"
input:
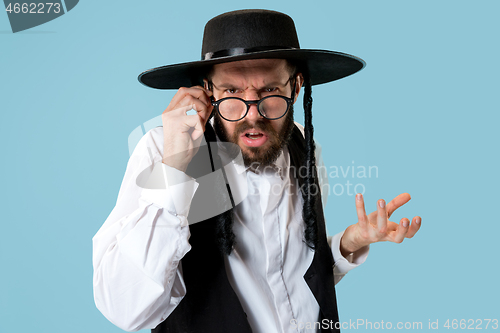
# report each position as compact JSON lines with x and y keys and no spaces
{"x":353,"y":260}
{"x":181,"y":187}
{"x":176,"y":193}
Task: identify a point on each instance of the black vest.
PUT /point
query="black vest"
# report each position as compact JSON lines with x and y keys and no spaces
{"x":210,"y":304}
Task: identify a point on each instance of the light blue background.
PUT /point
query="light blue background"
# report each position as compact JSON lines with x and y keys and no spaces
{"x":424,"y":111}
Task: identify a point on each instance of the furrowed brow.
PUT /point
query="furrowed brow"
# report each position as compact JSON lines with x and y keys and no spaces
{"x":275,"y":84}
{"x":224,"y":86}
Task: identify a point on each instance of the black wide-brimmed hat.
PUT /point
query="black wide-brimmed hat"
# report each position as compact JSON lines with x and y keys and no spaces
{"x":253,"y":34}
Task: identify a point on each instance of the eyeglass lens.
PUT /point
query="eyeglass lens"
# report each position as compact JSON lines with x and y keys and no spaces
{"x":271,"y":107}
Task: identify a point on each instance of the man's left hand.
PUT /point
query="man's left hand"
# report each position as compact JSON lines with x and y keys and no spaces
{"x":376,"y":227}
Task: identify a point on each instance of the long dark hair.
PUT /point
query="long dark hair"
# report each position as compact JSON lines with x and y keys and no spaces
{"x":308,"y":212}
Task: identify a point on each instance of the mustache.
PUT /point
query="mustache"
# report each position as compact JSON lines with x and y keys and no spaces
{"x":258,"y":125}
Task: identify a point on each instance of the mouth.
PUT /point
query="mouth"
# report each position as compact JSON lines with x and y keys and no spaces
{"x":254,"y":138}
{"x":254,"y":135}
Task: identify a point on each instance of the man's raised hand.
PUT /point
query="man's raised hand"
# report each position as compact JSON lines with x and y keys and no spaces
{"x":376,"y":227}
{"x":183,"y":133}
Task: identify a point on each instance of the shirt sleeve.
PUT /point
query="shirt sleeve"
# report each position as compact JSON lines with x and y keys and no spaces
{"x":344,"y":264}
{"x":136,"y":253}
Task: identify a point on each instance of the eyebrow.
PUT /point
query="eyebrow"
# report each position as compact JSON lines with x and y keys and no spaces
{"x":224,"y":86}
{"x":275,"y":83}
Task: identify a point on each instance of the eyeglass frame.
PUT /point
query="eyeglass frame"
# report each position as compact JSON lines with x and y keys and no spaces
{"x":257,"y":102}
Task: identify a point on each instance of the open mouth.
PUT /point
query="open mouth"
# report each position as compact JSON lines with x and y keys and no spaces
{"x":254,"y":136}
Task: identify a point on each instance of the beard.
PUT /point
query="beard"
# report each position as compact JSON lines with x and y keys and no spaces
{"x":256,"y":157}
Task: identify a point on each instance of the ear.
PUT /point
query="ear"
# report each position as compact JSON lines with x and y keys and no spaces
{"x":299,"y":78}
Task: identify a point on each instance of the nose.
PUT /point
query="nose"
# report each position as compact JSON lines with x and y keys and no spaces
{"x":253,"y":112}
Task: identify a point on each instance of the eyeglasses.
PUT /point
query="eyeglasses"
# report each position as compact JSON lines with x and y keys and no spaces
{"x":270,"y":107}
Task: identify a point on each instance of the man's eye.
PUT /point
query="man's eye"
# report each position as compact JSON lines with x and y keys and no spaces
{"x":231,"y":91}
{"x":270,"y":89}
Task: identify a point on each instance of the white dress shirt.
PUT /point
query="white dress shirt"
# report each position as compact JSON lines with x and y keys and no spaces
{"x":138,"y":250}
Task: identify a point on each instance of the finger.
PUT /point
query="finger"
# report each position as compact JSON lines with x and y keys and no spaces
{"x":402,"y":230}
{"x":381,"y":217}
{"x":188,"y":100}
{"x":193,"y":126}
{"x":360,"y":210}
{"x":414,"y":227}
{"x":202,"y":94}
{"x":397,"y":202}
{"x":188,"y":122}
{"x":196,"y":92}
{"x":204,"y":113}
{"x":206,"y":87}
{"x":181,"y":111}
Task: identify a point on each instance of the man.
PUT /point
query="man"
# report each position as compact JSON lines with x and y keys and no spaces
{"x":255,"y":257}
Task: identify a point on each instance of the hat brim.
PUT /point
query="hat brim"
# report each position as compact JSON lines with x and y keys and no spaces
{"x":323,"y":66}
